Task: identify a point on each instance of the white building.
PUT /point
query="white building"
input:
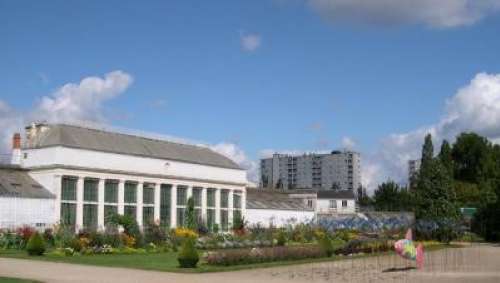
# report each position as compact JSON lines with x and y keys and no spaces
{"x":266,"y":208}
{"x":340,"y":169}
{"x":335,"y":202}
{"x":93,"y":173}
{"x":413,"y":168}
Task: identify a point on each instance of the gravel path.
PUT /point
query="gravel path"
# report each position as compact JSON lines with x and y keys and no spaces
{"x":471,"y":264}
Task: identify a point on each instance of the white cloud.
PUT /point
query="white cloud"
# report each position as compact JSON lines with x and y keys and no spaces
{"x":250,"y":42}
{"x":475,"y":107}
{"x":233,"y":152}
{"x":433,"y":13}
{"x":72,"y":103}
{"x":82,"y":102}
{"x":348,"y":143}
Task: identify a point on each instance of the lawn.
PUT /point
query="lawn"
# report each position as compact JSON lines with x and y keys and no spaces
{"x":164,"y":261}
{"x":16,"y":280}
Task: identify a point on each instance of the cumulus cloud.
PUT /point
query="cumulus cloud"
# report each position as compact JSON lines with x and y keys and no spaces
{"x":250,"y":42}
{"x":235,"y":153}
{"x":79,"y":103}
{"x":82,"y":101}
{"x":438,"y":14}
{"x":474,"y":107}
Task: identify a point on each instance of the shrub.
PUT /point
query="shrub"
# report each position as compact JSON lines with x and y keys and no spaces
{"x":130,"y":227}
{"x":48,"y":236}
{"x":36,"y":245}
{"x":25,"y":234}
{"x":188,"y":256}
{"x":256,"y":255}
{"x":185,"y":233}
{"x":281,"y":238}
{"x":112,"y":239}
{"x":75,"y":244}
{"x":128,"y":241}
{"x":326,"y":245}
{"x":155,"y":234}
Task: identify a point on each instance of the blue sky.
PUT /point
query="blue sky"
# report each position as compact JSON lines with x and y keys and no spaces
{"x":310,"y":76}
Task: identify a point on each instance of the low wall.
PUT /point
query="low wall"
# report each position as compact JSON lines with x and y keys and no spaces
{"x":278,"y":217}
{"x":16,"y":212}
{"x":367,"y":221}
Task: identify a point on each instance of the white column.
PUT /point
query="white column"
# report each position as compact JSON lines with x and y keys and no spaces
{"x":173,"y":207}
{"x":100,"y":204}
{"x":140,"y":187}
{"x":230,"y":210}
{"x":217,"y":207}
{"x":204,"y":205}
{"x":121,"y":196}
{"x":79,"y":203}
{"x":157,"y":202}
{"x":57,"y":192}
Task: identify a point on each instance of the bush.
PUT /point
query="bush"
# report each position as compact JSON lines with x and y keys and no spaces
{"x":48,"y":236}
{"x":326,"y":245}
{"x":155,"y":234}
{"x":281,"y":238}
{"x":188,"y":256}
{"x":25,"y":234}
{"x":256,"y":255}
{"x":36,"y":245}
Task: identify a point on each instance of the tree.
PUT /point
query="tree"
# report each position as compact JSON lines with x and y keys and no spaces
{"x":435,"y":198}
{"x":445,"y":156}
{"x":362,"y":197}
{"x":190,"y":215}
{"x":427,"y":151}
{"x":335,"y":186}
{"x":474,"y":158}
{"x":387,"y":197}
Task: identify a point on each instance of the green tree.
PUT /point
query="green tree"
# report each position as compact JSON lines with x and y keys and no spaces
{"x":190,"y":215}
{"x":387,"y":197}
{"x":435,"y":198}
{"x":445,"y":156}
{"x":427,"y":151}
{"x":474,"y":159}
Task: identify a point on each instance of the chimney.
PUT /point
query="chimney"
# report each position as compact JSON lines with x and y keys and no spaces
{"x":16,"y":149}
{"x":16,"y":141}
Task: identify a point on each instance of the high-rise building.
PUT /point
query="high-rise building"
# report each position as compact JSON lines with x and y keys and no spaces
{"x":413,"y":168}
{"x":336,"y":170}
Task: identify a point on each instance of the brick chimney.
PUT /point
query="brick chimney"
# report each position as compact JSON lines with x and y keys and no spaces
{"x":16,"y":141}
{"x":16,"y":149}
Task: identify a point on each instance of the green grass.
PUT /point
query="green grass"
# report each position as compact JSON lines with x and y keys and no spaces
{"x":167,"y":261}
{"x":16,"y":280}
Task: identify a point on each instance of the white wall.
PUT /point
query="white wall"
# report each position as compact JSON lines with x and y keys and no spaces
{"x":130,"y":163}
{"x":323,"y":206}
{"x":15,"y":212}
{"x":279,"y":218}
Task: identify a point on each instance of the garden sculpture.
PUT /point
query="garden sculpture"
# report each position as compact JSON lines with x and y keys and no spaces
{"x":406,"y":249}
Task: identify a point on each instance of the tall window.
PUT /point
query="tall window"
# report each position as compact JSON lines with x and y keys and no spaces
{"x":197,"y":204}
{"x":110,"y":200}
{"x":210,"y":208}
{"x":68,"y":189}
{"x":90,"y":203}
{"x":68,"y":201}
{"x":148,"y":200}
{"x":236,"y":206}
{"x":224,"y":205}
{"x":111,"y":191}
{"x":90,"y":190}
{"x":130,"y":199}
{"x":165,"y":199}
{"x":181,"y":205}
{"x":344,"y":203}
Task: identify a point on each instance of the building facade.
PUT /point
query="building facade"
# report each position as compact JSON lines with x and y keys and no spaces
{"x":336,"y":170}
{"x":94,"y":173}
{"x":413,"y":168}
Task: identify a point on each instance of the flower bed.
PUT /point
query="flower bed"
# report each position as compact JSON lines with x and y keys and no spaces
{"x":258,"y":255}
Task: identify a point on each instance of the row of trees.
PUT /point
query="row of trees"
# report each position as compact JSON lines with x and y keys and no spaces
{"x":465,"y":174}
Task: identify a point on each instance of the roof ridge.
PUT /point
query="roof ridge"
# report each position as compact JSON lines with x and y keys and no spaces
{"x":109,"y":131}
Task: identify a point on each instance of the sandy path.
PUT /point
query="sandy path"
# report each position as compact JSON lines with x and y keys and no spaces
{"x":470,"y":264}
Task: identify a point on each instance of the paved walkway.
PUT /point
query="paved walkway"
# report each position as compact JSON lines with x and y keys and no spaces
{"x":471,"y":264}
